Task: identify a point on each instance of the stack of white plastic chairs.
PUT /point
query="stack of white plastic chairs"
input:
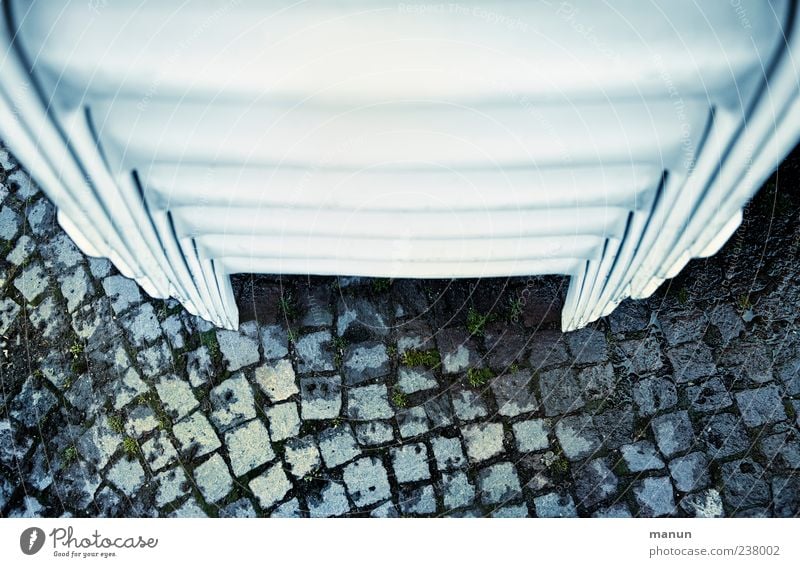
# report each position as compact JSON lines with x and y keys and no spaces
{"x":608,"y":141}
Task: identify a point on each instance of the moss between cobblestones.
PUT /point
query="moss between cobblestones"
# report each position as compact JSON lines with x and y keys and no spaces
{"x":425,"y":358}
{"x":130,"y":447}
{"x":476,"y":323}
{"x":515,"y":307}
{"x":287,"y":305}
{"x":381,"y":285}
{"x":209,"y":340}
{"x":116,"y":424}
{"x":78,"y":364}
{"x":743,"y":302}
{"x":399,"y":399}
{"x":477,"y":377}
{"x":559,"y":469}
{"x":165,"y":311}
{"x":69,"y":456}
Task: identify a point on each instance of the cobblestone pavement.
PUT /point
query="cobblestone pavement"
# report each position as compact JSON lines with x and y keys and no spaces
{"x":356,"y":397}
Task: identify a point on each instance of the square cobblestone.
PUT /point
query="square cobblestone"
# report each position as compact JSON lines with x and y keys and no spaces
{"x":786,"y":496}
{"x":673,"y":432}
{"x":321,"y":398}
{"x":239,"y":348}
{"x":289,"y":509}
{"x":498,"y":484}
{"x":724,"y":436}
{"x":99,"y":443}
{"x":653,"y":395}
{"x":744,"y":484}
{"x":782,"y":449}
{"x":691,"y":361}
{"x":457,"y":349}
{"x":368,"y":403}
{"x":283,"y":421}
{"x":555,"y":505}
{"x":749,"y":361}
{"x":595,"y":482}
{"x":233,"y":402}
{"x":172,"y":484}
{"x":359,"y":318}
{"x":126,"y":475}
{"x":727,"y":320}
{"x":683,"y":327}
{"x":213,"y":479}
{"x":448,"y":453}
{"x":314,"y":306}
{"x":241,"y":508}
{"x":417,"y":501}
{"x":483,"y":441}
{"x":703,"y":504}
{"x":644,"y":356}
{"x":468,"y":405}
{"x":531,"y":435}
{"x":410,"y":463}
{"x":364,"y":362}
{"x":577,"y":436}
{"x":159,"y":451}
{"x":547,"y":348}
{"x":457,"y":491}
{"x":374,"y":433}
{"x":155,"y":360}
{"x":248,"y":447}
{"x":337,"y":446}
{"x":315,"y":352}
{"x":514,"y":394}
{"x":196,"y":436}
{"x":189,"y":509}
{"x":176,"y":395}
{"x":198,"y":366}
{"x":274,"y":341}
{"x":690,"y":473}
{"x":618,"y":510}
{"x":439,"y":411}
{"x":140,"y":420}
{"x":654,"y":496}
{"x":412,"y":422}
{"x":302,"y":456}
{"x":329,"y":501}
{"x":597,"y":382}
{"x":410,"y":380}
{"x":504,"y":346}
{"x":141,"y":325}
{"x":277,"y":380}
{"x":270,"y":486}
{"x":366,"y":481}
{"x":760,"y":406}
{"x":588,"y":346}
{"x":641,"y":456}
{"x":122,"y":292}
{"x":709,"y":396}
{"x":560,"y":391}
